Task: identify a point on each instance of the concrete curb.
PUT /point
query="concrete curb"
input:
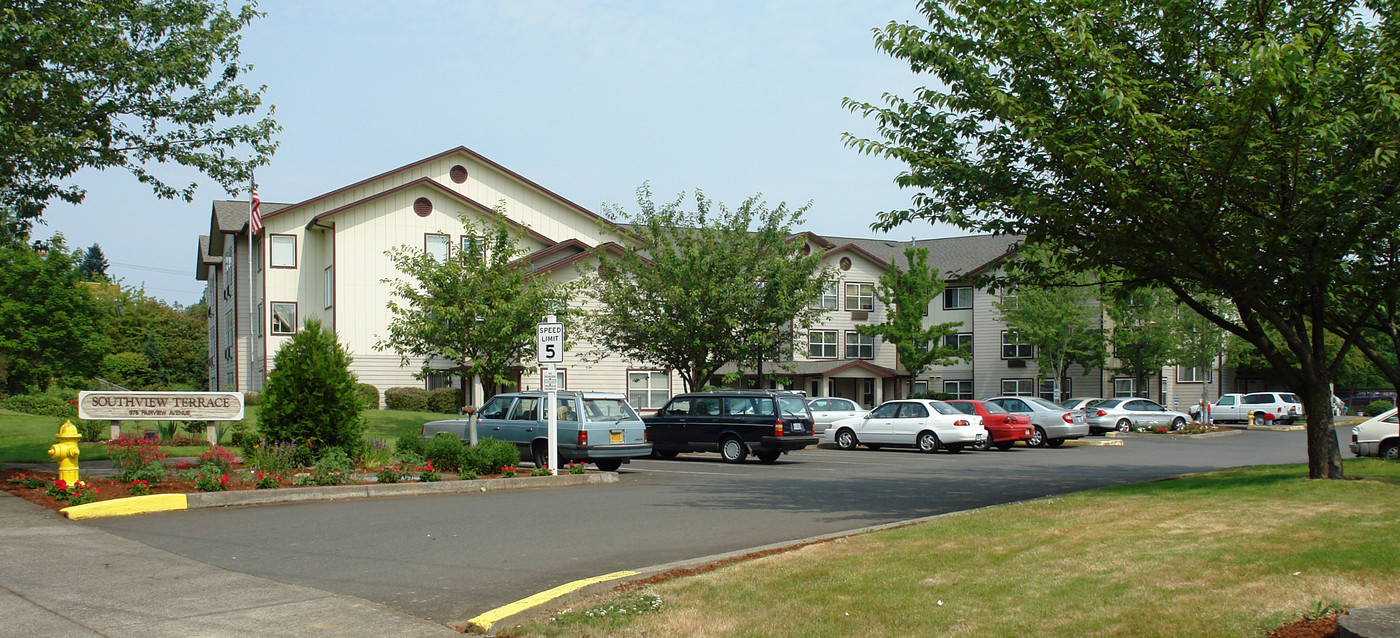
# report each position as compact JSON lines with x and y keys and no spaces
{"x":1093,"y":442}
{"x":196,"y":500}
{"x":1276,"y":428}
{"x":1174,"y":435}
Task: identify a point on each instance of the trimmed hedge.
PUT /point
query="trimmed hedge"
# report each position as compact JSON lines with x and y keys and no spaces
{"x":42,"y":405}
{"x":1376,"y":407}
{"x":369,"y":394}
{"x":444,"y":400}
{"x":407,"y":399}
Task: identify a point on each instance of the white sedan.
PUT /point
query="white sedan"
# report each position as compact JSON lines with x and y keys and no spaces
{"x":828,"y":410}
{"x":1377,"y":436}
{"x":922,"y":423}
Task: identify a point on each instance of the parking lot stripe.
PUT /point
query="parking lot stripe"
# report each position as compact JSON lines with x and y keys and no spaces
{"x":483,"y":622}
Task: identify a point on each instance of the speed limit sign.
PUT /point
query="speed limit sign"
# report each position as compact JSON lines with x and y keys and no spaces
{"x":549,"y":341}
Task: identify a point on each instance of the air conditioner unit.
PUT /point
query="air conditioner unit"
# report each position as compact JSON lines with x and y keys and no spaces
{"x":1015,"y":363}
{"x":860,"y":315}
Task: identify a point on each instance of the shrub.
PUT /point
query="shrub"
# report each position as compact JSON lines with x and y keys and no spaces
{"x":389,"y":474}
{"x":410,"y":444}
{"x":265,"y":481}
{"x":408,"y":399}
{"x":240,"y":433}
{"x":1376,"y":407}
{"x":140,"y":488}
{"x":444,"y":400}
{"x":130,"y":369}
{"x":210,"y":479}
{"x":219,"y":457}
{"x":490,"y":455}
{"x":369,"y":395}
{"x":445,"y":452}
{"x":91,"y":431}
{"x":252,"y":398}
{"x":42,"y":405}
{"x":152,"y":473}
{"x":375,"y":453}
{"x":310,"y":394}
{"x":130,"y":455}
{"x":429,"y":474}
{"x":333,"y":468}
{"x":270,"y":456}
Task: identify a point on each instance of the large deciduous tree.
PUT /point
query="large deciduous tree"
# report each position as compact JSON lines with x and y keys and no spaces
{"x":50,"y":326}
{"x":694,"y":290}
{"x":476,"y":309}
{"x":129,"y":84}
{"x":1242,"y":148}
{"x":908,"y":293}
{"x":1062,"y":324}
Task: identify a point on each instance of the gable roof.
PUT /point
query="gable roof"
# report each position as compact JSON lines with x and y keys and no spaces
{"x":231,"y":217}
{"x":954,"y":257}
{"x":431,"y":183}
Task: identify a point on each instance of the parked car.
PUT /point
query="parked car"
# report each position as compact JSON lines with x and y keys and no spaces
{"x":828,"y":410}
{"x":922,"y":423}
{"x":1377,"y":436}
{"x":1004,"y":429}
{"x":1082,"y":404}
{"x":591,"y":427}
{"x":1127,"y":413}
{"x":735,"y":423}
{"x":1053,"y":424}
{"x":1282,"y":407}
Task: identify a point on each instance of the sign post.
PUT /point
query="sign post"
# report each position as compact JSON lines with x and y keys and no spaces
{"x":549,"y":342}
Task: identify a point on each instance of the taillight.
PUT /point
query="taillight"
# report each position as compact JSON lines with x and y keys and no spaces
{"x":1101,"y":413}
{"x":1067,"y":418}
{"x":778,"y":428}
{"x":583,"y":437}
{"x":962,"y":422}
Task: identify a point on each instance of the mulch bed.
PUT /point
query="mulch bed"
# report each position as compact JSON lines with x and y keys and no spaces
{"x":1324,"y":627}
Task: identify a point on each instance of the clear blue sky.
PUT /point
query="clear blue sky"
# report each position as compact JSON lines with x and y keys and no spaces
{"x":589,"y":100}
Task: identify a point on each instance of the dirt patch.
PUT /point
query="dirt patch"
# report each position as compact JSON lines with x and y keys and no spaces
{"x":1324,"y":627}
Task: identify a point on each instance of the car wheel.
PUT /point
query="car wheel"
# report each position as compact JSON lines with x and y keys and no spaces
{"x":1259,"y":418}
{"x":608,"y":465}
{"x":1178,"y":424}
{"x":1390,"y":450}
{"x":985,"y":445}
{"x":1037,"y":438}
{"x":667,"y":454}
{"x":1124,"y":425}
{"x":539,"y":453}
{"x":953,"y":448}
{"x":928,"y":442}
{"x":846,"y":440}
{"x":732,"y":450}
{"x":1055,"y":442}
{"x":1005,"y":445}
{"x":768,"y":457}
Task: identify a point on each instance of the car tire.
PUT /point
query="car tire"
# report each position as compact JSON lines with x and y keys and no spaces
{"x":1054,"y":442}
{"x":1124,"y":425}
{"x":927,"y":442}
{"x":732,"y":450}
{"x":954,"y":448}
{"x":1037,"y":438}
{"x":985,"y":445}
{"x":608,"y":465}
{"x":1178,"y":424}
{"x":1390,"y":450}
{"x":768,"y":457}
{"x":666,"y":454}
{"x":846,"y":439}
{"x":1005,"y":445}
{"x":1259,"y":418}
{"x":539,"y":454}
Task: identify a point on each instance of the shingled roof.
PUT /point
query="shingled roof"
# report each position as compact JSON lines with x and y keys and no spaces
{"x":954,"y":257}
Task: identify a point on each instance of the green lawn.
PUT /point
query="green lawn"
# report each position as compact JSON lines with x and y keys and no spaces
{"x":26,"y":438}
{"x":1231,"y":553}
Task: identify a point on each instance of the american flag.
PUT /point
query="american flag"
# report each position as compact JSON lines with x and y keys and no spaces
{"x":256,"y":223}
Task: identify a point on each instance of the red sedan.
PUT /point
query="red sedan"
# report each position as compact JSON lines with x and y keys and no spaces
{"x":1004,"y":429}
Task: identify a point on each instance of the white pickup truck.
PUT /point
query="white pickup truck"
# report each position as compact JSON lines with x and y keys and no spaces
{"x":1267,"y":407}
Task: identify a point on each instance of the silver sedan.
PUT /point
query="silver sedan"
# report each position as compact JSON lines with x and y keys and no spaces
{"x":1053,"y":424}
{"x":828,"y":410}
{"x":1125,"y":414}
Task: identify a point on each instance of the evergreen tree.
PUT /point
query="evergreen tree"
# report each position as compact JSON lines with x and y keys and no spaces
{"x":94,"y":266}
{"x":310,"y":396}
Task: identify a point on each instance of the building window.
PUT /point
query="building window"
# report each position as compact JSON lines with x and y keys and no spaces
{"x":859,"y":346}
{"x":474,"y":245}
{"x":284,"y":251}
{"x":646,"y":389}
{"x":1199,"y":374}
{"x":1012,"y":348}
{"x":860,"y":296}
{"x":961,"y":340}
{"x":257,"y":252}
{"x":1047,"y":389}
{"x":828,"y":299}
{"x":1018,"y":387}
{"x":437,"y":246}
{"x":959,"y":298}
{"x":958,"y":389}
{"x":284,"y":317}
{"x":261,"y":318}
{"x":330,"y":286}
{"x":921,"y":387}
{"x":1124,"y":387}
{"x":821,"y":344}
{"x":438,"y":380}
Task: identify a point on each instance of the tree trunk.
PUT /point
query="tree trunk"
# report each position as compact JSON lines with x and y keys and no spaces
{"x":1324,"y":455}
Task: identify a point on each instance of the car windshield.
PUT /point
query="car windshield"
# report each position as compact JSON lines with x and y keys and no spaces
{"x":792,"y":406}
{"x":608,"y":410}
{"x":1110,"y":403}
{"x":991,"y":408}
{"x":943,"y":408}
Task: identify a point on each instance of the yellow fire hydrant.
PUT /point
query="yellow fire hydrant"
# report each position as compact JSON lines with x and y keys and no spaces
{"x":66,"y":452}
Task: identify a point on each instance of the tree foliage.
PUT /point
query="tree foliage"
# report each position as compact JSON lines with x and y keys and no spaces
{"x":173,"y":343}
{"x":94,"y":264}
{"x":908,"y":294}
{"x":310,"y":396}
{"x":477,"y":309}
{"x":1141,"y":334}
{"x":50,"y":327}
{"x":1241,"y":148}
{"x":131,"y":85}
{"x":1062,"y":322}
{"x":695,"y":290}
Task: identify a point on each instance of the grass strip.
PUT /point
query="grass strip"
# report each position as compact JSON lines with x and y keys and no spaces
{"x":1229,"y":553}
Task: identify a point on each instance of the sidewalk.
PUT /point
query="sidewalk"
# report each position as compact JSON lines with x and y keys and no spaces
{"x":63,"y":578}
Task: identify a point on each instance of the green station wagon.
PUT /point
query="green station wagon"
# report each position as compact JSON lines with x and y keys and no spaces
{"x":593,"y":427}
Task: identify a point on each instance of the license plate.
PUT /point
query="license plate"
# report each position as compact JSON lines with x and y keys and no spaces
{"x":615,"y":436}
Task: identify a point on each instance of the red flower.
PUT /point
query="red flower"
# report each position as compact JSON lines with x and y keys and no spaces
{"x":223,"y":480}
{"x":61,"y":484}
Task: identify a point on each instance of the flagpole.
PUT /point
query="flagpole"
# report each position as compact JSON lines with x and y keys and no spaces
{"x":254,"y":226}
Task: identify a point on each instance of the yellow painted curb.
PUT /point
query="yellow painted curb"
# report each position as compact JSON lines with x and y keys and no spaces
{"x":1094,"y":443}
{"x":483,"y":622}
{"x":126,"y":506}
